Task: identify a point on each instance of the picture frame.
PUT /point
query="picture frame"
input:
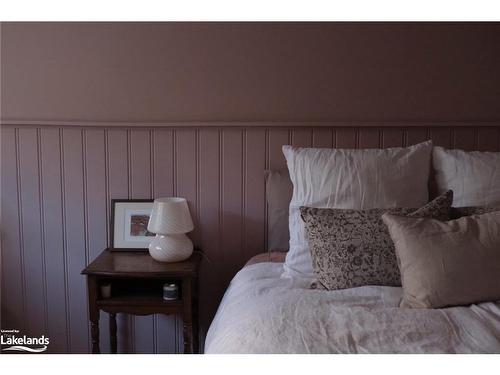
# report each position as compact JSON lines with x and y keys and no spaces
{"x":128,"y":224}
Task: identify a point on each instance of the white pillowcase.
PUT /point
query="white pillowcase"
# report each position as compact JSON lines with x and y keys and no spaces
{"x":353,"y":179}
{"x":473,"y":176}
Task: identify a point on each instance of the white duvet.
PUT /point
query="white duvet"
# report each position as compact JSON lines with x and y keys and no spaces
{"x":264,"y":313}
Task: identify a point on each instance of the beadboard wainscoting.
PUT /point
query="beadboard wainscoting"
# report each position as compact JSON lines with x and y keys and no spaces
{"x":58,"y":181}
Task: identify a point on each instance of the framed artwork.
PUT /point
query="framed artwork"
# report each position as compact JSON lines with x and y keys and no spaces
{"x":129,"y":223}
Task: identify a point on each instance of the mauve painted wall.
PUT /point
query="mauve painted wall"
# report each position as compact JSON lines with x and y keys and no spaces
{"x":250,"y":71}
{"x":57,"y":181}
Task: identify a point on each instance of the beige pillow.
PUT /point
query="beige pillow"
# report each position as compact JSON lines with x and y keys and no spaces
{"x":447,"y":263}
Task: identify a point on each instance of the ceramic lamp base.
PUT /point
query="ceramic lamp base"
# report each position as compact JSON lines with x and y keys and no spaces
{"x":171,"y":247}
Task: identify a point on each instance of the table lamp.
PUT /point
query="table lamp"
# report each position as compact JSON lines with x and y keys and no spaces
{"x":170,"y":220}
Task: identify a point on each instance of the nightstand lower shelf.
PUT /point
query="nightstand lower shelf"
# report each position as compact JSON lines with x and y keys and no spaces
{"x":139,"y":306}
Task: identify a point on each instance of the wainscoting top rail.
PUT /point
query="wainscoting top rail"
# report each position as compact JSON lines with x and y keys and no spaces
{"x":247,"y":124}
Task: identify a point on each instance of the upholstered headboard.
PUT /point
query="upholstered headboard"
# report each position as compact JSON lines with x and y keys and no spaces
{"x":279,"y":189}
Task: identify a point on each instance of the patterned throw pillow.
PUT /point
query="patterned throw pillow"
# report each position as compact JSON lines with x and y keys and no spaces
{"x":353,"y":248}
{"x":458,"y":212}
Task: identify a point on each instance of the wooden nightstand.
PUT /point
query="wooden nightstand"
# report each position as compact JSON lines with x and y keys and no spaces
{"x":136,"y":288}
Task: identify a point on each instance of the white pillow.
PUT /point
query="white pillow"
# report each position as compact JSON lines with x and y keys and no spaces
{"x":473,"y":176}
{"x":354,"y":179}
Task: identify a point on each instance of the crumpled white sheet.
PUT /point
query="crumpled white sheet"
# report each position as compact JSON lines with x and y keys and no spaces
{"x":264,"y":313}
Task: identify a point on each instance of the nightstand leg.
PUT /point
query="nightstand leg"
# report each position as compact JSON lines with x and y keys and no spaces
{"x":94,"y":330}
{"x":93,"y":313}
{"x":112,"y":333}
{"x":187,"y":316}
{"x":188,"y":335}
{"x":196,"y":321}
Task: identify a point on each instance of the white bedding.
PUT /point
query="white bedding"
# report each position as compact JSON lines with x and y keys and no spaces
{"x":264,"y":313}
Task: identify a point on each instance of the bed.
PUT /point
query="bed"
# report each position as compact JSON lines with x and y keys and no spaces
{"x":261,"y":312}
{"x":268,"y":309}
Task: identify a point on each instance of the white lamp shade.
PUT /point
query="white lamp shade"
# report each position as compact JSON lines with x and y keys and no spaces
{"x":170,"y":216}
